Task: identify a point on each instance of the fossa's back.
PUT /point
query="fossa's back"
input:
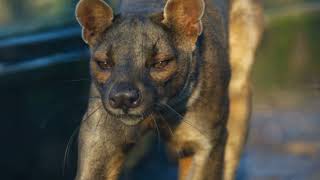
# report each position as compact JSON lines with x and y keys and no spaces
{"x":239,"y":25}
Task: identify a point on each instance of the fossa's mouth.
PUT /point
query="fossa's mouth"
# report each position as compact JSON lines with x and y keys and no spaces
{"x":130,"y":119}
{"x":131,"y":122}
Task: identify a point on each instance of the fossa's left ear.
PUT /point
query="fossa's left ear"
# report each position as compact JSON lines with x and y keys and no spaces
{"x":184,"y":18}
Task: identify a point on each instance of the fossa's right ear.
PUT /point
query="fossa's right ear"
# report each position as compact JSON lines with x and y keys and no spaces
{"x":94,"y":16}
{"x":184,"y":18}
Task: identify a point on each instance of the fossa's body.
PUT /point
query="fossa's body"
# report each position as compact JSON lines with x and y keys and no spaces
{"x":184,"y":71}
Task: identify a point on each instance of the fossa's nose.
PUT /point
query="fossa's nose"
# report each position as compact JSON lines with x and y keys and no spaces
{"x":124,"y":96}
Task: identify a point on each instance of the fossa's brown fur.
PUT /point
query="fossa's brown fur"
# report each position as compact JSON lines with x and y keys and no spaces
{"x":185,"y":71}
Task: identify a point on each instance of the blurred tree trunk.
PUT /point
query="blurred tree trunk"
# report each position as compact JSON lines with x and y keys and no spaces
{"x":4,"y":13}
{"x":18,"y":9}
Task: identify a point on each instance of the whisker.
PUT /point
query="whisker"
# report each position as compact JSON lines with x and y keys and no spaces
{"x":158,"y":131}
{"x":173,"y":110}
{"x":76,"y":80}
{"x":193,"y":126}
{"x":167,"y":124}
{"x":98,"y":123}
{"x":67,"y":151}
{"x":78,"y":101}
{"x":181,"y":117}
{"x":115,"y":175}
{"x":94,"y":111}
{"x":95,"y":97}
{"x":85,"y":98}
{"x":66,"y":154}
{"x":171,"y":132}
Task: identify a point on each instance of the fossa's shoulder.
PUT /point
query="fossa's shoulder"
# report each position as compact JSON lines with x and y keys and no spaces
{"x":216,"y":20}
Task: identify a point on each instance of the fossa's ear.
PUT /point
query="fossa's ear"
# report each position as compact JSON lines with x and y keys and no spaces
{"x":94,"y":16}
{"x":184,"y":18}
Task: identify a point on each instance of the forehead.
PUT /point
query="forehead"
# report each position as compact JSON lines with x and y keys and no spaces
{"x":135,"y":32}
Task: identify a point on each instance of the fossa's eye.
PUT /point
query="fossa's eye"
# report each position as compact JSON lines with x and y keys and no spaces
{"x":161,"y":64}
{"x":105,"y":65}
{"x":162,"y":71}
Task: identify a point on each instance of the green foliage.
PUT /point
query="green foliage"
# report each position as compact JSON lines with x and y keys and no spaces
{"x":289,"y":54}
{"x":284,"y":3}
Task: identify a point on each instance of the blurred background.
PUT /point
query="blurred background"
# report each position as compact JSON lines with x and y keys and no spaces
{"x":44,"y":84}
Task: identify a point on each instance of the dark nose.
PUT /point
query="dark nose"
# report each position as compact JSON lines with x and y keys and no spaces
{"x":124,"y":96}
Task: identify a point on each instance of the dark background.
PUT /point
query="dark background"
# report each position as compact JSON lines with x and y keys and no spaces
{"x":44,"y":89}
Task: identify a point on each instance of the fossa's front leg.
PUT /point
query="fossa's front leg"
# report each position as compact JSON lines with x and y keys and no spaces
{"x":202,"y":165}
{"x":205,"y":151}
{"x":100,"y":153}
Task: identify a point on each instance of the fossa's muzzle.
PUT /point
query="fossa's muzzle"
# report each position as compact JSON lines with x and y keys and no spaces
{"x":124,"y":96}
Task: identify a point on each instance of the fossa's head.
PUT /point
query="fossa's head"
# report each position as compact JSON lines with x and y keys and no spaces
{"x":139,"y":61}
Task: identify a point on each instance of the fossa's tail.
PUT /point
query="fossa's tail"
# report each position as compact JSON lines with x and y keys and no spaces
{"x":245,"y":31}
{"x":246,"y":27}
